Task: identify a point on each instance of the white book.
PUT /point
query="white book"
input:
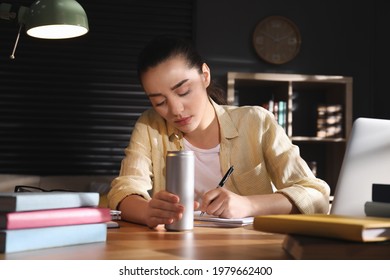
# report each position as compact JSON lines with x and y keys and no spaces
{"x":40,"y":238}
{"x":28,"y":201}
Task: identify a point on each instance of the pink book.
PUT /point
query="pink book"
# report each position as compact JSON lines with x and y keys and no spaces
{"x":54,"y":217}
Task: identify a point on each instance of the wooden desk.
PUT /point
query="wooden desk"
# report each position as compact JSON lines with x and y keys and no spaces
{"x":137,"y":242}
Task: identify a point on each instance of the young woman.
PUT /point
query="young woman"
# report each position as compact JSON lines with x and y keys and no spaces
{"x":270,"y":177}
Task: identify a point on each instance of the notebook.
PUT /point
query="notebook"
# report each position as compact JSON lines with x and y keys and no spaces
{"x":366,"y":162}
{"x":213,"y":221}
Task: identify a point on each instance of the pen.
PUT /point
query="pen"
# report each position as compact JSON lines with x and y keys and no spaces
{"x":223,"y":180}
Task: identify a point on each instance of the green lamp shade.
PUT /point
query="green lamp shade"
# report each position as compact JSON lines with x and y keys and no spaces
{"x":56,"y":19}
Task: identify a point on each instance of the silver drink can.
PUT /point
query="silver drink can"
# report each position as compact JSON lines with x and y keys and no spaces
{"x":180,"y":177}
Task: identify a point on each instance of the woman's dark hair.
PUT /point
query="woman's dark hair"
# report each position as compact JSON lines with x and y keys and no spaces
{"x":163,"y":48}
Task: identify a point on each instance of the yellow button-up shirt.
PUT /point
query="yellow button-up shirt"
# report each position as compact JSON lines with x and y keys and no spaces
{"x":251,"y":140}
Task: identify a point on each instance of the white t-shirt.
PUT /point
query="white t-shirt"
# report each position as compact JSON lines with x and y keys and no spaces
{"x":207,"y":168}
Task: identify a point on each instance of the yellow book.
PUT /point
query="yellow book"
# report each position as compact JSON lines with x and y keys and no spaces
{"x":362,"y":229}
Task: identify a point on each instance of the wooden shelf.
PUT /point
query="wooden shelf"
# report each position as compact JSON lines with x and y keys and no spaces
{"x":303,"y":95}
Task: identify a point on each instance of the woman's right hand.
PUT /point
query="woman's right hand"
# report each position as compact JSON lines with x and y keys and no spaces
{"x":163,"y":208}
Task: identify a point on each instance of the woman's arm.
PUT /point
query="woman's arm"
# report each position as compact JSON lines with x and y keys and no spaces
{"x":226,"y":204}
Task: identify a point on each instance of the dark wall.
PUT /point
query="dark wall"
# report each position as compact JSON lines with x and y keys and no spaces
{"x":338,"y":38}
{"x":382,"y":58}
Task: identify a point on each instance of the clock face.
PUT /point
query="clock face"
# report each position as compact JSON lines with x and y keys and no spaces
{"x":276,"y":39}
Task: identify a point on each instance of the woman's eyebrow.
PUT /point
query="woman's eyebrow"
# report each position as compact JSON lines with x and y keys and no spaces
{"x":179,"y":84}
{"x":172,"y":88}
{"x":153,"y":94}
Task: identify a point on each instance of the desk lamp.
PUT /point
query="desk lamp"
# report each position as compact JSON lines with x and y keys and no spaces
{"x":49,"y":19}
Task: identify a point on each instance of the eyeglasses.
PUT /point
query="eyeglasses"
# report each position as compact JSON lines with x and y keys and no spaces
{"x":22,"y":188}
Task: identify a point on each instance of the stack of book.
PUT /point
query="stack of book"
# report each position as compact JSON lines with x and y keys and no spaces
{"x":37,"y":220}
{"x":322,"y":236}
{"x":329,"y":121}
{"x":380,"y":204}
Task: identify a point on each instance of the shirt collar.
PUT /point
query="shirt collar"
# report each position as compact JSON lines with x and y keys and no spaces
{"x":227,"y":126}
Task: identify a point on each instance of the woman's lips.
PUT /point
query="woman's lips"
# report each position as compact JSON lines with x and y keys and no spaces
{"x":183,"y":121}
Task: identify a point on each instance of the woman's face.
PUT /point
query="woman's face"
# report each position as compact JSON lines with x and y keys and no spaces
{"x":178,"y":93}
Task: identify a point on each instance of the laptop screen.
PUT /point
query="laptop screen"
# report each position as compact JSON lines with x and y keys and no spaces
{"x":366,"y":162}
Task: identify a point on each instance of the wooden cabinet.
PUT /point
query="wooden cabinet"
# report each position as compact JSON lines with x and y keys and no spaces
{"x":317,"y":114}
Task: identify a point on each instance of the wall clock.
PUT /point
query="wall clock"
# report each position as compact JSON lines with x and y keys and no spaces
{"x":276,"y":39}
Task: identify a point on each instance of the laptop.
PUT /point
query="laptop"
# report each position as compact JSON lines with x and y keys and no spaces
{"x":366,"y":162}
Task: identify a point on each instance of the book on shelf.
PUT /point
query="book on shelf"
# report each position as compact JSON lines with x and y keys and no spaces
{"x":29,"y":201}
{"x":361,"y":229}
{"x":377,"y":209}
{"x":302,"y":247}
{"x":12,"y":241}
{"x":54,"y":217}
{"x":282,"y":114}
{"x":213,"y":221}
{"x":271,"y":105}
{"x":279,"y":110}
{"x":329,"y":120}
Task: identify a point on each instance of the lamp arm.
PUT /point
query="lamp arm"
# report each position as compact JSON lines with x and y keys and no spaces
{"x":5,"y":13}
{"x":12,"y":56}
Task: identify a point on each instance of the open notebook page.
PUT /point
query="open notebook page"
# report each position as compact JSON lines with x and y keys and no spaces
{"x":213,"y":221}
